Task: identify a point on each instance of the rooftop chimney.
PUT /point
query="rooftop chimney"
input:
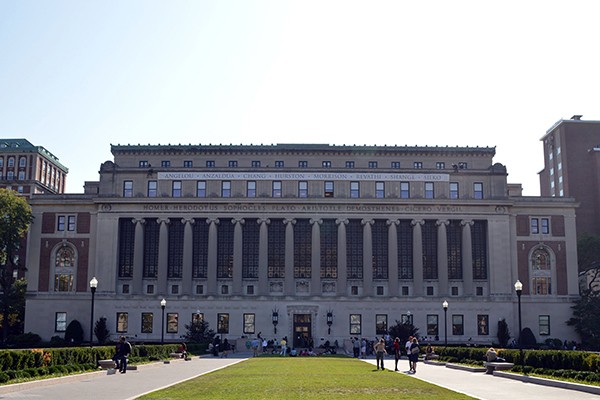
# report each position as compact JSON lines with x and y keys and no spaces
{"x":577,"y":117}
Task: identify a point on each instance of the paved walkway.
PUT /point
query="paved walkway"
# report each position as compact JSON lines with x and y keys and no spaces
{"x":151,"y":377}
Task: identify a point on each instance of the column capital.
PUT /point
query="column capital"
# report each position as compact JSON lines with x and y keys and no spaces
{"x":318,"y":221}
{"x":393,"y":222}
{"x":415,"y":222}
{"x":466,"y":222}
{"x":367,"y":221}
{"x":340,"y":221}
{"x":212,"y":221}
{"x":287,"y":221}
{"x":163,"y":220}
{"x":238,"y":221}
{"x":261,"y":221}
{"x":141,"y":221}
{"x":190,"y":221}
{"x":441,"y":222}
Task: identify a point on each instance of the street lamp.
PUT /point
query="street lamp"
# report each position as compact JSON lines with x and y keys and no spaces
{"x":275,"y":320}
{"x":329,"y":321}
{"x":519,"y":290}
{"x":409,"y":319}
{"x":93,"y":286}
{"x":445,"y":307}
{"x":163,"y":304}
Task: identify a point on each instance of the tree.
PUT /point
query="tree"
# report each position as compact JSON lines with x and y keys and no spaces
{"x":74,"y":333}
{"x":15,"y":218}
{"x":588,"y":252}
{"x":198,"y":332}
{"x":503,"y":333}
{"x":403,"y":331}
{"x":586,"y":319}
{"x":101,"y":331}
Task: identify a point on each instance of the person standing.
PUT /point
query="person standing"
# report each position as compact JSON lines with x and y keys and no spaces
{"x":415,"y":350}
{"x":380,"y":353}
{"x":407,"y":348}
{"x":396,"y":352}
{"x":283,"y":345}
{"x":123,"y":349}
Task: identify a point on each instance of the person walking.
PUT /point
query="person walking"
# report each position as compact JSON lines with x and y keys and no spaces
{"x":380,"y":353}
{"x":396,"y":353}
{"x":407,"y":348}
{"x":283,"y":345}
{"x":123,"y":349}
{"x":415,"y":350}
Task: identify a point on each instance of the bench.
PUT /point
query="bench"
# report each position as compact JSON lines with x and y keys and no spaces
{"x":107,"y":364}
{"x":176,"y":355}
{"x":497,"y":366}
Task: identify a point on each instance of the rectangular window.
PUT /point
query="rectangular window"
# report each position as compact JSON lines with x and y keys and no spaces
{"x":355,"y":325}
{"x":21,"y":175}
{"x":328,"y":189}
{"x":11,"y":162}
{"x":417,"y":165}
{"x":440,"y":165}
{"x":199,"y":289}
{"x":372,"y":164}
{"x":354,"y":190}
{"x":210,"y":164}
{"x":535,"y":225}
{"x":249,"y":323}
{"x":172,"y":322}
{"x":380,"y":190}
{"x":404,"y":190}
{"x":197,"y":317}
{"x":175,"y":289}
{"x":222,"y":323}
{"x":454,"y":290}
{"x":122,"y":322}
{"x":479,"y":291}
{"x":545,"y":226}
{"x":379,"y":290}
{"x":405,"y":291}
{"x":143,"y":164}
{"x":483,"y":325}
{"x":478,"y":190}
{"x":165,"y":163}
{"x":150,"y":289}
{"x":429,"y":193}
{"x":395,"y":164}
{"x":432,"y":325}
{"x":302,"y":164}
{"x":381,"y":324}
{"x":147,"y":322}
{"x":125,"y":289}
{"x":176,"y":192}
{"x":233,"y":164}
{"x":349,"y":164}
{"x":429,"y":290}
{"x":226,"y":189}
{"x":188,"y":164}
{"x":303,"y":189}
{"x":250,"y":289}
{"x":454,"y":190}
{"x":255,"y":164}
{"x":354,"y":290}
{"x":128,"y":189}
{"x":458,"y":325}
{"x":224,"y":289}
{"x":279,"y":164}
{"x":60,"y":322}
{"x":71,"y":223}
{"x":326,"y":164}
{"x":544,"y":321}
{"x":152,"y":188}
{"x":251,"y":189}
{"x":60,"y":226}
{"x":276,"y":189}
{"x":201,"y":189}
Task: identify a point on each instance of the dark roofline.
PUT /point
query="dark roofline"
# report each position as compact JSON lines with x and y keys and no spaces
{"x":25,"y":146}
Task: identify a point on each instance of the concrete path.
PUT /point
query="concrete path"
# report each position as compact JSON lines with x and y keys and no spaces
{"x":152,"y":377}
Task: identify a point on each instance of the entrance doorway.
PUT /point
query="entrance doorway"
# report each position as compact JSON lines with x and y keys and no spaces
{"x":302,"y":330}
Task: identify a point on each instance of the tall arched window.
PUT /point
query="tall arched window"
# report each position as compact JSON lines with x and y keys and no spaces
{"x":64,"y":269}
{"x":541,"y":271}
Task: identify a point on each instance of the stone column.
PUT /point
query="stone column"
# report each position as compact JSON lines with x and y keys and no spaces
{"x":163,"y":256}
{"x":263,"y":257}
{"x":467,"y":257}
{"x":417,"y":256}
{"x":138,"y":257}
{"x":367,"y":257}
{"x":188,"y":254}
{"x":342,"y":266}
{"x":393,"y":257}
{"x":237,"y":256}
{"x":442,"y":257}
{"x":211,"y":273}
{"x":315,"y":258}
{"x":289,"y":288}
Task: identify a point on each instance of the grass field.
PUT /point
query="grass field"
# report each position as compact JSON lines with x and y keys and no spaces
{"x":303,"y":378}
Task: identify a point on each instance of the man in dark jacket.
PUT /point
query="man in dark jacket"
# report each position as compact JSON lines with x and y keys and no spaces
{"x":123,"y":349}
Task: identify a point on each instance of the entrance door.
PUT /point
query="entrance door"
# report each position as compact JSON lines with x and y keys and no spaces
{"x":302,"y":330}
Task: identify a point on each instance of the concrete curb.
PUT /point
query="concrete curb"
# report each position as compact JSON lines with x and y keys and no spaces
{"x":549,"y":382}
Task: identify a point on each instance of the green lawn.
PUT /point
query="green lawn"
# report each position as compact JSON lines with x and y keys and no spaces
{"x":304,"y":378}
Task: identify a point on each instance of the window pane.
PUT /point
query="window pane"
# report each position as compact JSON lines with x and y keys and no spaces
{"x":122,"y":322}
{"x":147,"y":322}
{"x":249,"y":323}
{"x":172,"y":322}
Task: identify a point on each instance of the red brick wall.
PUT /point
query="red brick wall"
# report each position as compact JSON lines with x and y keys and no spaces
{"x":522,"y":225}
{"x":558,"y":225}
{"x":48,"y":246}
{"x":560,"y":286}
{"x":83,"y":222}
{"x":48,"y":220}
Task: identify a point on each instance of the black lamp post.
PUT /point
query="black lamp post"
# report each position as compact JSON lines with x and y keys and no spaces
{"x":519,"y":290}
{"x":275,"y":320}
{"x":445,"y":307}
{"x":163,"y":304}
{"x":93,"y":286}
{"x":329,"y":321}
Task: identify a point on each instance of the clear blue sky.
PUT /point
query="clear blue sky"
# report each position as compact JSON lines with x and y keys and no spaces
{"x":77,"y":76}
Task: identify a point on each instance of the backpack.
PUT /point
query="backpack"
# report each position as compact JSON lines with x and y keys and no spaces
{"x":415,"y":350}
